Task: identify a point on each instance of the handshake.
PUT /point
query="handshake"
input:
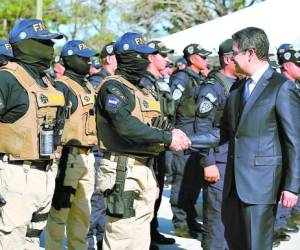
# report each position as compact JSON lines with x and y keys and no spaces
{"x":180,"y":141}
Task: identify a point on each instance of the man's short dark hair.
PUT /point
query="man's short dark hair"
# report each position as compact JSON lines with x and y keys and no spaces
{"x":225,"y":48}
{"x":253,"y":38}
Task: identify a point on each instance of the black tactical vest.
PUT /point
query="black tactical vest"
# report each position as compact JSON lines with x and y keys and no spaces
{"x":187,"y":105}
{"x":220,"y":78}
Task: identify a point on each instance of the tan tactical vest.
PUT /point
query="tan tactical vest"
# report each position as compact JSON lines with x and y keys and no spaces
{"x":146,"y":109}
{"x":80,"y":128}
{"x":21,"y":139}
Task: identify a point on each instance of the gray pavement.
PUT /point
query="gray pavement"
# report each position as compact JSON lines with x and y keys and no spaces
{"x":166,"y":227}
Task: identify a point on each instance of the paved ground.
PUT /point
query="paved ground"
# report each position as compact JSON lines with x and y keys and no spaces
{"x":166,"y":227}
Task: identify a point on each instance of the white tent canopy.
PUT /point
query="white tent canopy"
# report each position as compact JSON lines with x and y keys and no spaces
{"x":279,"y":18}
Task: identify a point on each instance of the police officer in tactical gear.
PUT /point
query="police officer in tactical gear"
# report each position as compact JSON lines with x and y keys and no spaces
{"x":153,"y":81}
{"x":180,"y":64}
{"x":75,"y":180}
{"x":211,"y":98}
{"x":109,"y":65}
{"x":126,"y":120}
{"x":31,"y":121}
{"x":186,"y":172}
{"x":98,"y":215}
{"x":6,"y":53}
{"x":285,"y":223}
{"x":165,"y":52}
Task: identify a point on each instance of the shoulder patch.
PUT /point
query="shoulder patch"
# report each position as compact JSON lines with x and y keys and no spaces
{"x":163,"y":86}
{"x":211,"y":97}
{"x":113,"y":102}
{"x":177,"y":94}
{"x":180,"y":87}
{"x":210,"y":81}
{"x":205,"y":106}
{"x":118,"y":93}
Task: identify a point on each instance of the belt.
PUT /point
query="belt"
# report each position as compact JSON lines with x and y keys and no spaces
{"x":80,"y":150}
{"x":138,"y":161}
{"x":36,"y":164}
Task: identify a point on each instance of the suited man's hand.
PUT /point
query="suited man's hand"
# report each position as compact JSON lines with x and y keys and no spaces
{"x":180,"y":141}
{"x":211,"y":173}
{"x":288,"y":199}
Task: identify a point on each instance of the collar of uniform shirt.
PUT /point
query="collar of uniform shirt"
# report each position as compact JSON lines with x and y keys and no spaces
{"x":256,"y":76}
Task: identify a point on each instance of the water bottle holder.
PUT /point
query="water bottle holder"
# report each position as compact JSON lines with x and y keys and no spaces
{"x":46,"y":142}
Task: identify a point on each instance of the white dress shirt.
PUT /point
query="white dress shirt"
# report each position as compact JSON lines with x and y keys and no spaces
{"x":256,"y":77}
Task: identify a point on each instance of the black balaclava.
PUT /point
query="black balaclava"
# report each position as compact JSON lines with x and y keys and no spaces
{"x":3,"y":60}
{"x":132,"y":66}
{"x":38,"y":53}
{"x":80,"y":65}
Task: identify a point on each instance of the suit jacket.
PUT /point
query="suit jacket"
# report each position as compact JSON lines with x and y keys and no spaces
{"x":264,"y":140}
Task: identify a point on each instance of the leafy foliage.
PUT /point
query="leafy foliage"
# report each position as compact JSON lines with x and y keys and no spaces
{"x":101,"y":21}
{"x":169,"y":16}
{"x":76,"y":19}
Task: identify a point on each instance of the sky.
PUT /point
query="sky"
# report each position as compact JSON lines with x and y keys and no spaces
{"x":278,"y":22}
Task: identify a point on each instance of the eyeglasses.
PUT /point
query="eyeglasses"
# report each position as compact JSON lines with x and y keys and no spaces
{"x":235,"y":53}
{"x":228,"y":54}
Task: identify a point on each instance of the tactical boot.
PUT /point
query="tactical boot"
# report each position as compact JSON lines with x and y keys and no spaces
{"x":290,"y":227}
{"x":281,"y":235}
{"x":195,"y":226}
{"x":158,"y":238}
{"x":296,"y":218}
{"x":276,"y":243}
{"x":153,"y":247}
{"x":182,"y":232}
{"x":99,"y":245}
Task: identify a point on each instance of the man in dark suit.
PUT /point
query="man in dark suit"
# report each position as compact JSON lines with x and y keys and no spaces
{"x":262,"y":123}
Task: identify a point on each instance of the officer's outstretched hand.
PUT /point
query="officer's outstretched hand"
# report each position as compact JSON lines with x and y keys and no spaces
{"x":211,"y":173}
{"x":288,"y":199}
{"x":180,"y":141}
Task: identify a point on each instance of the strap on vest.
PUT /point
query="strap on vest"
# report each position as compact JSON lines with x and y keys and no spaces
{"x":62,"y":194}
{"x":116,"y":78}
{"x":39,"y":217}
{"x":33,"y":233}
{"x":20,"y":74}
{"x":223,"y":80}
{"x":120,"y":202}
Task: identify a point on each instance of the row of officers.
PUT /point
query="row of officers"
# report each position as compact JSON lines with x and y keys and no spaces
{"x":129,"y":120}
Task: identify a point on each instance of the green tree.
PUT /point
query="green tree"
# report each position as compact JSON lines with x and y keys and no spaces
{"x":169,"y":16}
{"x":75,"y":19}
{"x":14,"y":10}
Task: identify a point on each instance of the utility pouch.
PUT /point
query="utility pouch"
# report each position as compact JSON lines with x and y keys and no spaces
{"x":119,"y":202}
{"x":115,"y":204}
{"x":128,"y":198}
{"x":121,"y":206}
{"x":167,"y":104}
